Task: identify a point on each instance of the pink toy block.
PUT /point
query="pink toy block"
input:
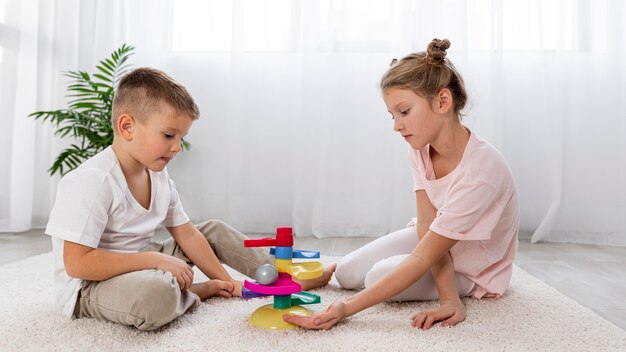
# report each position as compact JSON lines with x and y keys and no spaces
{"x":284,"y":285}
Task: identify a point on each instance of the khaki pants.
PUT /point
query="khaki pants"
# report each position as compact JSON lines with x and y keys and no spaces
{"x":149,"y":299}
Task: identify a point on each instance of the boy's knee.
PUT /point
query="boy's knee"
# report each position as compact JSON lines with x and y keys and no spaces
{"x":219,"y":233}
{"x":213,"y":226}
{"x":160,"y":304}
{"x":213,"y":223}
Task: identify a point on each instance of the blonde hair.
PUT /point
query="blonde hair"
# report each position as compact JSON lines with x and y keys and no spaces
{"x":141,"y":90}
{"x":426,"y":73}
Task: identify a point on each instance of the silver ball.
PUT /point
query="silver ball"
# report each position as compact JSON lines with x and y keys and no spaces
{"x":266,"y":274}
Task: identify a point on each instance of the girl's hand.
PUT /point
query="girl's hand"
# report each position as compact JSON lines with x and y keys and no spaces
{"x":322,"y":320}
{"x":449,"y":313}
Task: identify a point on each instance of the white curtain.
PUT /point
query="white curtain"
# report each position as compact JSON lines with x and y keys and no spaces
{"x":293,"y":130}
{"x":18,"y":72}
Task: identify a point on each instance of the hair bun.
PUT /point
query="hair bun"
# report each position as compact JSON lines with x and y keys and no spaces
{"x":436,"y":50}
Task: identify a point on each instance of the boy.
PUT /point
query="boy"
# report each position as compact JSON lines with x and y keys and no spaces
{"x":107,"y":210}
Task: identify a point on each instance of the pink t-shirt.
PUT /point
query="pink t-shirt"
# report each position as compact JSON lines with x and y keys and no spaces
{"x":477,"y":204}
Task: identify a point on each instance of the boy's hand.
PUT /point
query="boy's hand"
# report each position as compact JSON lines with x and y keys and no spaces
{"x":238,"y":286}
{"x":179,"y":269}
{"x":322,"y":320}
{"x":450,"y":313}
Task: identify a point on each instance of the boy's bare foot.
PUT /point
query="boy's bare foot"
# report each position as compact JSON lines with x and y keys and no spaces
{"x":318,"y":281}
{"x":213,"y":288}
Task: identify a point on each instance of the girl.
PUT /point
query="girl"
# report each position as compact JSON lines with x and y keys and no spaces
{"x":464,"y":238}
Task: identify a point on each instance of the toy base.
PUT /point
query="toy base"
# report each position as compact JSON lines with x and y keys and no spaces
{"x":268,"y":317}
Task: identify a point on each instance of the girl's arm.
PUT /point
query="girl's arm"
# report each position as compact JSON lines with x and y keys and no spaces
{"x":429,"y":250}
{"x":451,"y":308}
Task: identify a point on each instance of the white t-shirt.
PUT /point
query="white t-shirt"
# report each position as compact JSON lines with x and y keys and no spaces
{"x":477,"y":204}
{"x":95,"y":208}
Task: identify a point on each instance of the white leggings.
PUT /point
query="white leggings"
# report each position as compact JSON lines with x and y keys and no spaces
{"x":368,"y":264}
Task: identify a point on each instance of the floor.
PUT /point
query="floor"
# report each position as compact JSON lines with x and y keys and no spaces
{"x":591,"y":275}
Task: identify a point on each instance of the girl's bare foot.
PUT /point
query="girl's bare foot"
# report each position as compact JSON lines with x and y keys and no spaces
{"x":318,"y":281}
{"x":213,"y":288}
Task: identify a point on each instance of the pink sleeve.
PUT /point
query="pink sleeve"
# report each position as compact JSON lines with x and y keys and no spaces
{"x":416,"y":171}
{"x":470,"y":212}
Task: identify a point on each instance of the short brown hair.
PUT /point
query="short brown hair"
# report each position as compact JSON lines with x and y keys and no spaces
{"x":426,"y":73}
{"x":143,"y":88}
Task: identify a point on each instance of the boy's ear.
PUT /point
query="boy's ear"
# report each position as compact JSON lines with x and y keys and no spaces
{"x":126,"y":126}
{"x":443,"y":101}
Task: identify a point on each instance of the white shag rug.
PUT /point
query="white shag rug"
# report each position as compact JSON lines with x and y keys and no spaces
{"x":531,"y":317}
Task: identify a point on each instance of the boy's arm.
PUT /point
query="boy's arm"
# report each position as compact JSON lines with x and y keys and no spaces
{"x":443,"y":274}
{"x":197,"y":248}
{"x":86,"y":263}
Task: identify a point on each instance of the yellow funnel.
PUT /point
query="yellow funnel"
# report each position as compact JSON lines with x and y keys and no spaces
{"x":301,"y":271}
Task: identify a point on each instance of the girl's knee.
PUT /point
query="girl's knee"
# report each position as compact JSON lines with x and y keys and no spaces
{"x":379,"y":270}
{"x":346,"y":274}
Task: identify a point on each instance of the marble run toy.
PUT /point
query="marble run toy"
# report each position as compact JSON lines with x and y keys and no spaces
{"x":288,"y":295}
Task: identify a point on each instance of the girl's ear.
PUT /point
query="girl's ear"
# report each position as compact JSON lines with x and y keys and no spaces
{"x":126,"y":126}
{"x":443,"y":101}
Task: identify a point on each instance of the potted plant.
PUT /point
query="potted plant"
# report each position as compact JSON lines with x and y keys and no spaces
{"x":88,"y":118}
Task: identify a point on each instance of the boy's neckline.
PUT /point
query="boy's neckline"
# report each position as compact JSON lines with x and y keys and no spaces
{"x":129,"y":194}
